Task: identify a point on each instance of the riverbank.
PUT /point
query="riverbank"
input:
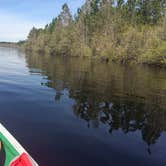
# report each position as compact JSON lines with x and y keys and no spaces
{"x":107,"y":32}
{"x":152,"y":52}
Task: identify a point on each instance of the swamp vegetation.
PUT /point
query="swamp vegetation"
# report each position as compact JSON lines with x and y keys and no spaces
{"x":132,"y":31}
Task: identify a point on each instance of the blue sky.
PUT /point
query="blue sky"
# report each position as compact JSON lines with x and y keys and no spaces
{"x":19,"y":16}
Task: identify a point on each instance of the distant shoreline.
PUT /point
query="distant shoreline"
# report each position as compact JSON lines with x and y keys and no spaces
{"x":8,"y":44}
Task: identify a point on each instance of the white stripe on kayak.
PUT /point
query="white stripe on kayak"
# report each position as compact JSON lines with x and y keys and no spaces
{"x":15,"y":143}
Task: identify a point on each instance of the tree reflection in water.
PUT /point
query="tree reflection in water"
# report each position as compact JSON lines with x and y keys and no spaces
{"x":120,"y":97}
{"x":125,"y":115}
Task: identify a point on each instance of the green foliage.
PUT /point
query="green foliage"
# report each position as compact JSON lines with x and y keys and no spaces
{"x":94,"y":6}
{"x":132,"y":31}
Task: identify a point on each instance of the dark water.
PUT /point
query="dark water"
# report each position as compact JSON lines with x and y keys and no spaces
{"x":74,"y":112}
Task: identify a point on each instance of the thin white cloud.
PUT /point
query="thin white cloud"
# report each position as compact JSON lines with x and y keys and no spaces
{"x":14,"y":28}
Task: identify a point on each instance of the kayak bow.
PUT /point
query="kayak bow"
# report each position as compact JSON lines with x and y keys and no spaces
{"x":15,"y":154}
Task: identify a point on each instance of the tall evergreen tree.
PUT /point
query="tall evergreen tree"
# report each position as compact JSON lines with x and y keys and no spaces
{"x":65,"y":16}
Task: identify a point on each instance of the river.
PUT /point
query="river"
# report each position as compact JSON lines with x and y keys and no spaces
{"x":78,"y":112}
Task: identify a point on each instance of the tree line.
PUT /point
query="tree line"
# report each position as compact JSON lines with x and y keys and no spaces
{"x":132,"y":31}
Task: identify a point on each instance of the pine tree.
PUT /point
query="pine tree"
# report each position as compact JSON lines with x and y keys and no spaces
{"x":65,"y":17}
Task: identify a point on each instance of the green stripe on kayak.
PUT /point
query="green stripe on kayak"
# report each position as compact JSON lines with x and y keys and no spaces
{"x":10,"y":151}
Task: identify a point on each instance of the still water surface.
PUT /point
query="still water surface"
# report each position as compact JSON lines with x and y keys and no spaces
{"x":74,"y":112}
